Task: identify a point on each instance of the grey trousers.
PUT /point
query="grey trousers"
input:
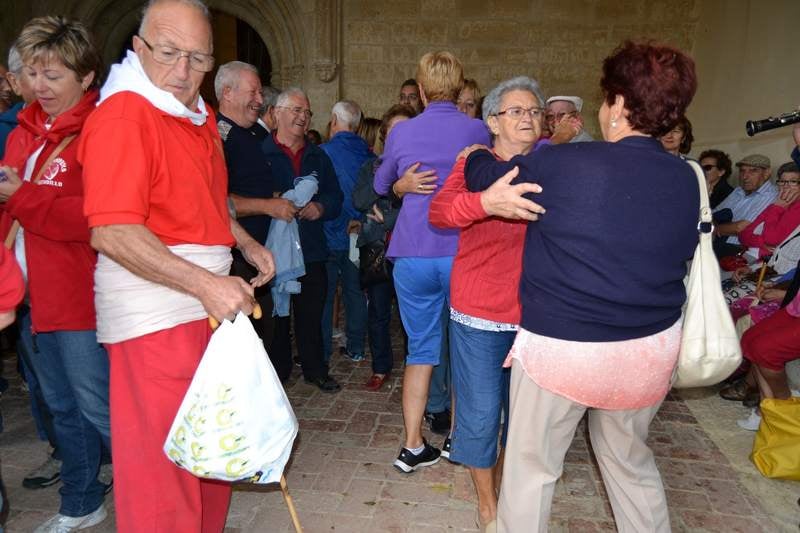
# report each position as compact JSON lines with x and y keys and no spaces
{"x":542,"y":426}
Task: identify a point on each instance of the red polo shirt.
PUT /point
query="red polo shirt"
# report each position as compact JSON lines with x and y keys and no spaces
{"x":144,"y":166}
{"x":295,"y":157}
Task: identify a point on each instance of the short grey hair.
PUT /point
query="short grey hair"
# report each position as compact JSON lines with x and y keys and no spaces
{"x":491,"y":104}
{"x":14,"y":60}
{"x":348,"y":113}
{"x":228,"y":76}
{"x":269,"y":95}
{"x":288,"y":93}
{"x":199,"y":4}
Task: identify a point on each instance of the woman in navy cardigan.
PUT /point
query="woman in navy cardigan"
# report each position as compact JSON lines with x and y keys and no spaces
{"x":601,"y":293}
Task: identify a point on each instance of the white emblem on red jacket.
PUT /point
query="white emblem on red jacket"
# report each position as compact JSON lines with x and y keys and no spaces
{"x":49,"y":177}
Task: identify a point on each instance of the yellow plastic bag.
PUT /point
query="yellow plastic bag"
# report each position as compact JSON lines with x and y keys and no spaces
{"x":776,"y":448}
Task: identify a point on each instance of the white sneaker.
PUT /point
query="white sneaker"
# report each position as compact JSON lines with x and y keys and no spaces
{"x":752,"y":422}
{"x":64,"y":524}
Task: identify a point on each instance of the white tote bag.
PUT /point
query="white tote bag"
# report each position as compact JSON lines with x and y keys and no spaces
{"x":710,"y":349}
{"x":235,"y":422}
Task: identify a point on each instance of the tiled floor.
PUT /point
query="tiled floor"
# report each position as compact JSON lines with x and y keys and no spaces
{"x":341,"y":479}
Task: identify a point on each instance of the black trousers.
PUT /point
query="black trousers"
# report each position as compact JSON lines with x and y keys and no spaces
{"x":264,"y":326}
{"x":307,"y":311}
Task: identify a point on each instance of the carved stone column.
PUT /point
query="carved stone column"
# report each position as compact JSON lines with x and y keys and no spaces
{"x":327,"y":39}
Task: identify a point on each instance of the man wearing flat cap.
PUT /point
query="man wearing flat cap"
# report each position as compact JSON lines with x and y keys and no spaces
{"x":745,"y":203}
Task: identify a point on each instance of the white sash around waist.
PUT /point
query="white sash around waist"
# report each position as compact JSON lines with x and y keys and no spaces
{"x":129,"y":306}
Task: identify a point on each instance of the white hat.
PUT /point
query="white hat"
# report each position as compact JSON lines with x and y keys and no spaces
{"x":577,"y":101}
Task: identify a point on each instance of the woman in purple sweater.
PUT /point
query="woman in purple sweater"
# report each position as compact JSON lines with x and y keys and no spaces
{"x":422,"y":253}
{"x":601,"y":293}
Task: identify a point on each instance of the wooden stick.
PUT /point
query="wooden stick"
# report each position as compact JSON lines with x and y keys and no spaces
{"x":758,"y":284}
{"x":761,"y":275}
{"x":290,"y":504}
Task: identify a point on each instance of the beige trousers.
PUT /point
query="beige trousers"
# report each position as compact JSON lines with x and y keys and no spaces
{"x":542,"y":426}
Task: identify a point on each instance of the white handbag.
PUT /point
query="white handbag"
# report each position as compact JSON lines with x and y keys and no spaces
{"x":710,"y":349}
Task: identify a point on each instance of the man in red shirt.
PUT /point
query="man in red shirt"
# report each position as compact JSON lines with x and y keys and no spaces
{"x":155,"y":196}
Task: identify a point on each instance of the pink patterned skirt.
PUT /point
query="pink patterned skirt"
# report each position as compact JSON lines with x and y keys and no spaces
{"x":629,"y":374}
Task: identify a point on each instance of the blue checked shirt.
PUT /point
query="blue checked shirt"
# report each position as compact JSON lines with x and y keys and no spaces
{"x":748,"y":207}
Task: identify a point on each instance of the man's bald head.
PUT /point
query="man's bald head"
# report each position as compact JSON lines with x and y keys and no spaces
{"x":198,"y":4}
{"x":184,"y":27}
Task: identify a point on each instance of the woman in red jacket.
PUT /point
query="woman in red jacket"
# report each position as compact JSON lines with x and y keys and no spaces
{"x":43,"y":221}
{"x":778,"y":220}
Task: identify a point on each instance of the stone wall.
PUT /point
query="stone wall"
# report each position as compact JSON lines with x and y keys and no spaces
{"x":364,"y":49}
{"x":561,"y":43}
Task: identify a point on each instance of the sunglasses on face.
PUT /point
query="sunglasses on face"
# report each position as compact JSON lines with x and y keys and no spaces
{"x":706,"y":168}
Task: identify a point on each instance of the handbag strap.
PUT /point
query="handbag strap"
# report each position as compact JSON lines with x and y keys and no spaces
{"x":705,"y":224}
{"x":12,"y":232}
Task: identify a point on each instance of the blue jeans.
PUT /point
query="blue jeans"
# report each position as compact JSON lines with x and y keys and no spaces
{"x":355,"y":304}
{"x":439,"y":390}
{"x":41,"y":414}
{"x":481,"y":386}
{"x":423,"y":291}
{"x":72,"y":369}
{"x":379,"y":310}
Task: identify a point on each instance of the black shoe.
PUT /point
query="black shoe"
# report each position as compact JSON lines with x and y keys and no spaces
{"x":407,"y":462}
{"x":439,"y":422}
{"x":45,"y":475}
{"x":446,"y":445}
{"x":325,"y":384}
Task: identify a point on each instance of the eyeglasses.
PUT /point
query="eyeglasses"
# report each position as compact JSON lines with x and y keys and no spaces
{"x":706,"y":168}
{"x":298,"y":110}
{"x":169,"y":55}
{"x":787,"y":182}
{"x":516,"y":113}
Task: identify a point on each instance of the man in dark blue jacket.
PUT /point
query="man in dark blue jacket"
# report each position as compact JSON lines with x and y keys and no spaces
{"x":289,"y":155}
{"x":238,"y":90}
{"x":348,"y":152}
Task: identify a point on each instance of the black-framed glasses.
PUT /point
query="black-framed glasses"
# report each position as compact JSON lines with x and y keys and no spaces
{"x":706,"y":168}
{"x":169,"y":55}
{"x":516,"y":113}
{"x":787,"y":182}
{"x":298,"y":111}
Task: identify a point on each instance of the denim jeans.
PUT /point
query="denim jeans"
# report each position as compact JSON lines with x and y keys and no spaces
{"x":379,"y":311}
{"x":439,"y":390}
{"x":355,"y":304}
{"x":39,"y":410}
{"x":72,"y":369}
{"x":481,"y":389}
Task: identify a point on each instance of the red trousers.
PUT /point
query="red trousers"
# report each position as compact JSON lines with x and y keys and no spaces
{"x":774,"y":341}
{"x":149,"y":377}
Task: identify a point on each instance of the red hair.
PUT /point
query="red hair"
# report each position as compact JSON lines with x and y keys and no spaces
{"x":657,"y":82}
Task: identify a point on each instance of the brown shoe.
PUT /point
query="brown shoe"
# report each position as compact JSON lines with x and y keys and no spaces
{"x":736,"y":392}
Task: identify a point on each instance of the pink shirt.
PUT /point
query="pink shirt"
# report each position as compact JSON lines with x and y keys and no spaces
{"x":629,"y":374}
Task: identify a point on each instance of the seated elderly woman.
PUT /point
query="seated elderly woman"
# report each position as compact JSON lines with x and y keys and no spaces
{"x":678,"y":141}
{"x":774,"y":233}
{"x":484,"y":304}
{"x":778,"y":220}
{"x":601,"y":293}
{"x":769,"y":345}
{"x":717,"y":167}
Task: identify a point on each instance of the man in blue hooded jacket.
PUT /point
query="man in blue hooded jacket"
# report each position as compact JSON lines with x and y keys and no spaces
{"x":348,"y":152}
